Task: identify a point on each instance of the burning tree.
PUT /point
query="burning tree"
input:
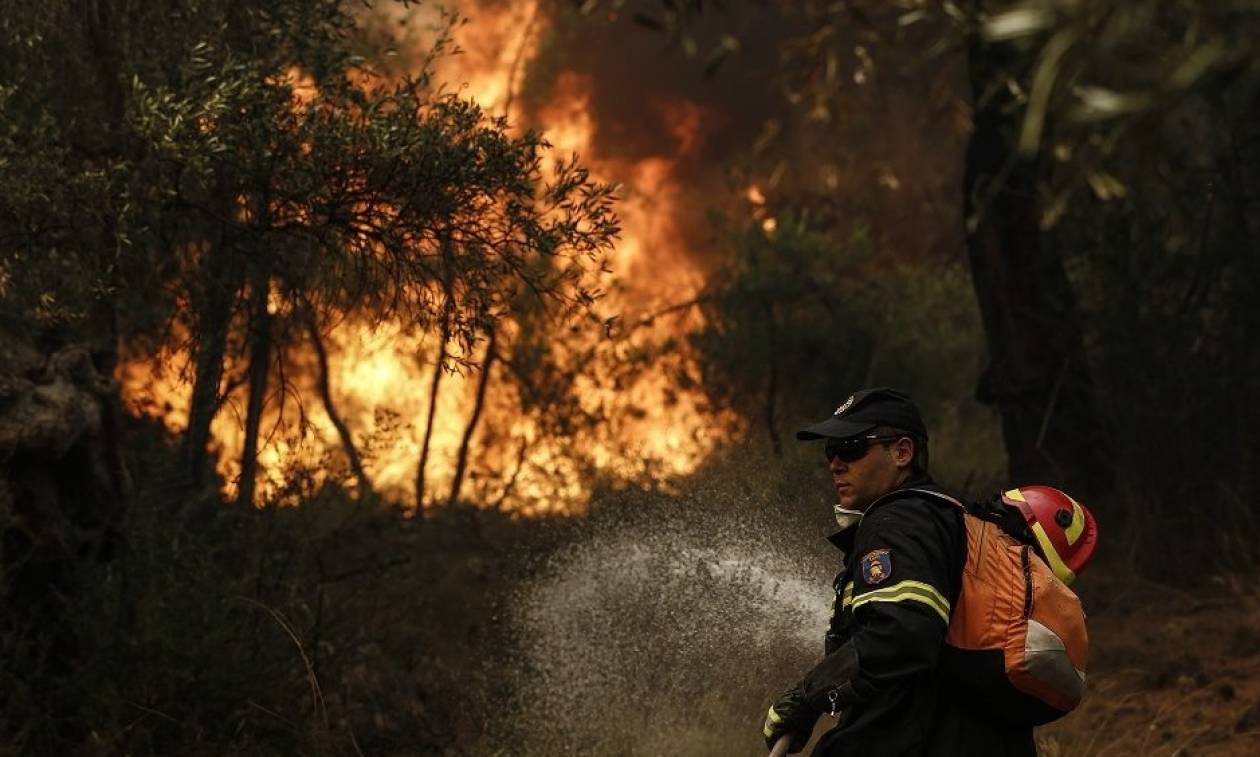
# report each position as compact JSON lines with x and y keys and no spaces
{"x":231,"y":182}
{"x":220,"y":186}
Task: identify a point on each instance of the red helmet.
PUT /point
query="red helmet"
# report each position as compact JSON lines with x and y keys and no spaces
{"x":1065,"y":530}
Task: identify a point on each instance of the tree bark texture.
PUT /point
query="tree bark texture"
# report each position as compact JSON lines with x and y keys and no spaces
{"x":1038,"y":377}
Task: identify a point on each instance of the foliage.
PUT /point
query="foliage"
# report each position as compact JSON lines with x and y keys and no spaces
{"x":227,"y":181}
{"x":797,"y":315}
{"x":785,"y":323}
{"x":1167,"y":275}
{"x":1144,"y":113}
{"x":323,"y":629}
{"x":261,"y":183}
{"x":1134,"y":121}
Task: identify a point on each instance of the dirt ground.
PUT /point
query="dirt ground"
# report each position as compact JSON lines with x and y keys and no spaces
{"x":1172,"y":672}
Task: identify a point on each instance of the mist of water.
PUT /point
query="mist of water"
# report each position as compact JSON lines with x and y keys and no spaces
{"x":663,"y":637}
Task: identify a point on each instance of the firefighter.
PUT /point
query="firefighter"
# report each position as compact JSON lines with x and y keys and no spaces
{"x":902,"y":556}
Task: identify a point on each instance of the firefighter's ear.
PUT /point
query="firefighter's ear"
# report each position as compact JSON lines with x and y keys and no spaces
{"x":903,"y":452}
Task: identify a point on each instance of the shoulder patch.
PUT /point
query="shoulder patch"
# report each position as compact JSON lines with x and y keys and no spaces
{"x":876,"y":566}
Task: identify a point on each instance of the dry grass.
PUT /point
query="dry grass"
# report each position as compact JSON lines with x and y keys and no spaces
{"x":1173,"y":673}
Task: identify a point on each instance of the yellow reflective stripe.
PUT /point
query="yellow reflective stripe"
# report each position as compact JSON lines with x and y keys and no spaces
{"x":1073,"y":532}
{"x":913,"y":591}
{"x":1016,"y":495}
{"x":1061,"y":570}
{"x":772,"y":719}
{"x":847,"y":598}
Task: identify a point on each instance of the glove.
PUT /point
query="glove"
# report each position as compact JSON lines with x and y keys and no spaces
{"x":791,"y":715}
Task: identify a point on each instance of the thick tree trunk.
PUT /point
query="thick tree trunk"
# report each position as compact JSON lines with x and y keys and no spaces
{"x":215,"y":304}
{"x":1038,"y":377}
{"x":259,"y":371}
{"x":461,"y":463}
{"x":214,"y":322}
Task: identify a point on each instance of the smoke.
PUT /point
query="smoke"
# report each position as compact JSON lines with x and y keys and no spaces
{"x":885,"y":153}
{"x":649,"y":101}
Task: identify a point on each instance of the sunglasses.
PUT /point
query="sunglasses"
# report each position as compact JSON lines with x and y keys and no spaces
{"x":854,"y":448}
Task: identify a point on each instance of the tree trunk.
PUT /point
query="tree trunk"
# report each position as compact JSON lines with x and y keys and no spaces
{"x":448,"y":314}
{"x":325,"y":393}
{"x":220,"y":282}
{"x":434,"y":386}
{"x":259,"y":370}
{"x":461,"y":463}
{"x":1038,"y":377}
{"x":213,"y":325}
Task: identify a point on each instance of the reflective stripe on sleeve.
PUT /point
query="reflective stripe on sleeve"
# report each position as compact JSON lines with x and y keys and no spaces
{"x":908,"y":591}
{"x":847,"y":598}
{"x":772,"y":719}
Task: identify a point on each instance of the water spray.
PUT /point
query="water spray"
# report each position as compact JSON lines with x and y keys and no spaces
{"x":666,"y":637}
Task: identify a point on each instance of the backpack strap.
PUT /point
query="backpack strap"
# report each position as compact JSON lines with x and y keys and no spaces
{"x":941,"y":496}
{"x":1006,"y":519}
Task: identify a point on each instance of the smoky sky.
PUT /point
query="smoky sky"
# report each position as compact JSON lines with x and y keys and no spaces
{"x":894,"y":143}
{"x":641,"y":80}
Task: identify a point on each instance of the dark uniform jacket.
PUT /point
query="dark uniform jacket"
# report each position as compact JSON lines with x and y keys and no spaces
{"x":901,"y":569}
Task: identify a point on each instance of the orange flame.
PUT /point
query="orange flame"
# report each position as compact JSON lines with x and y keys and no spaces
{"x":380,"y":377}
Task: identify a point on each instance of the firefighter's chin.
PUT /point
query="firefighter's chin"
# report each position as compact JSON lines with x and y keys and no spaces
{"x":845,"y":517}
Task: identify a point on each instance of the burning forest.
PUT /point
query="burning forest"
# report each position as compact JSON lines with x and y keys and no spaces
{"x":425,"y":378}
{"x":439,"y":406}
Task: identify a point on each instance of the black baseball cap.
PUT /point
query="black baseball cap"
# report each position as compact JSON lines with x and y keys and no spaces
{"x":863,"y":411}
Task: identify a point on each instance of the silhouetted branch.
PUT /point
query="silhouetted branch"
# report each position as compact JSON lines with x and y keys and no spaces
{"x":325,"y":393}
{"x":484,"y":381}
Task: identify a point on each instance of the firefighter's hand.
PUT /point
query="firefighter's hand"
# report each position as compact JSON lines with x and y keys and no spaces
{"x":791,"y":715}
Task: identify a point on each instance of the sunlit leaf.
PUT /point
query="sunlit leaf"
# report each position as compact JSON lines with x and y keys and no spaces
{"x":1020,"y":22}
{"x":1100,"y":104}
{"x":913,"y":17}
{"x":1106,"y":187}
{"x":718,"y":55}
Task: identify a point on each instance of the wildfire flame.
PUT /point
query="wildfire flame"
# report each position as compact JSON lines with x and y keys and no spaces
{"x":381,"y":376}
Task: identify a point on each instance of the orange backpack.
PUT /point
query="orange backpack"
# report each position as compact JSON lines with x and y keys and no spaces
{"x":1016,"y":638}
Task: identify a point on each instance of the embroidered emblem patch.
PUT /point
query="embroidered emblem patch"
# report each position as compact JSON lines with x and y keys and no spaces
{"x":876,"y":566}
{"x":845,"y":406}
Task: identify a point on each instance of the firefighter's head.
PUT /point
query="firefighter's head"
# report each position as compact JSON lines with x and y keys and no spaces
{"x":875,"y":441}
